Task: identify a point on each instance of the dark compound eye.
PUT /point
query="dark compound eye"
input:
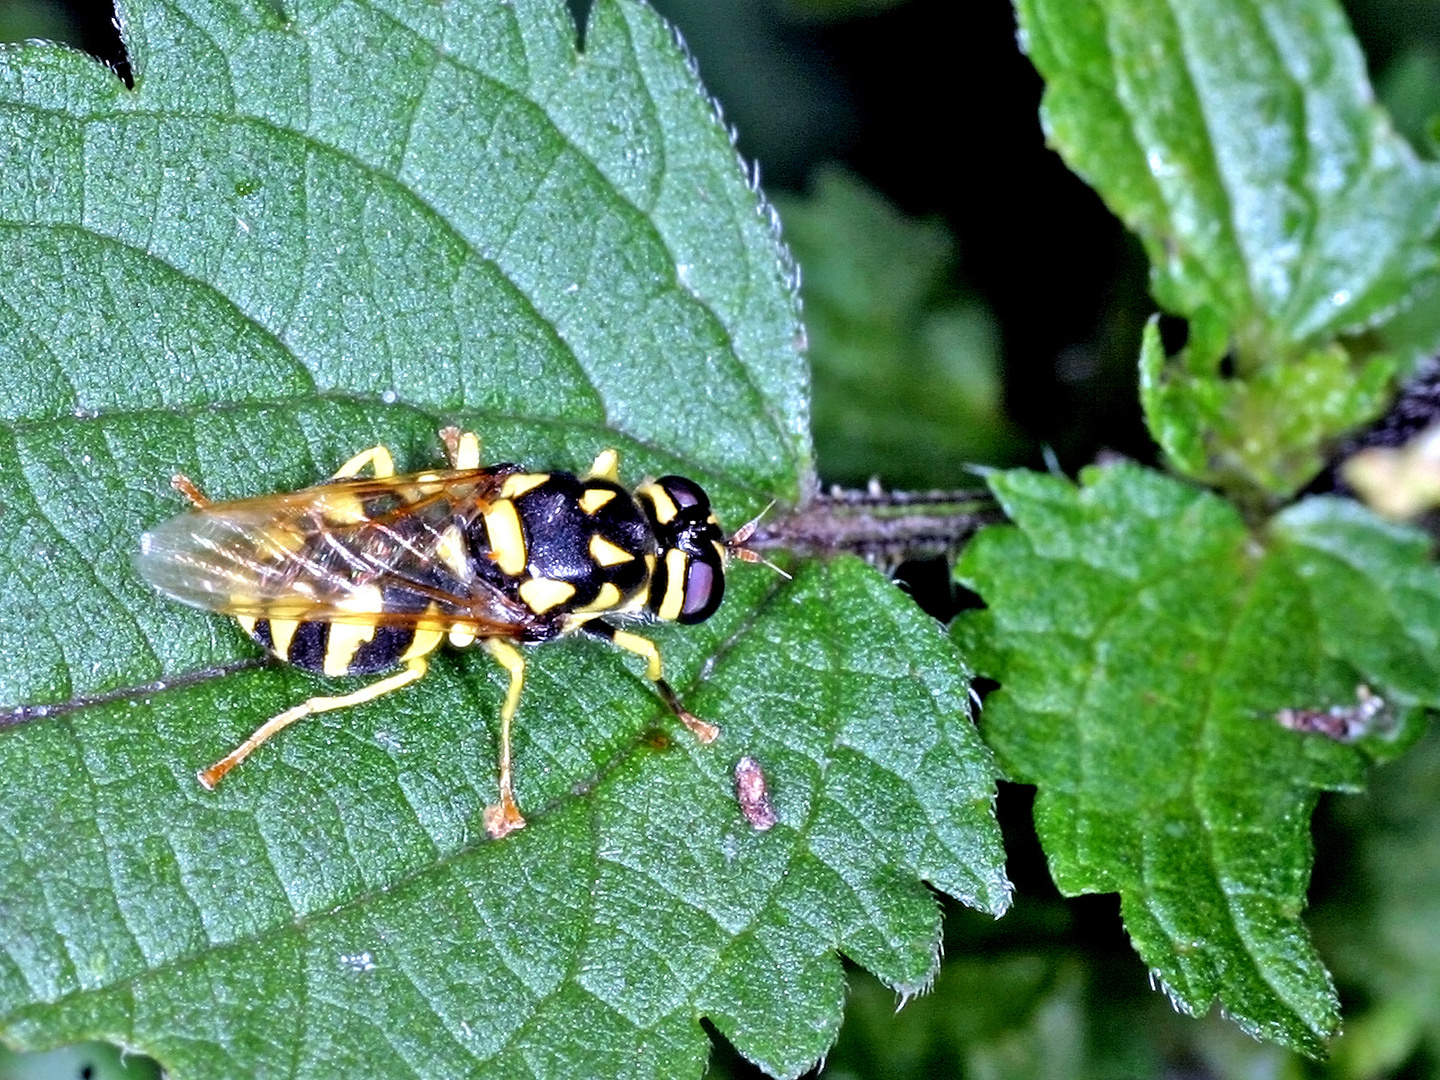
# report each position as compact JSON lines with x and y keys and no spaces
{"x":686,"y":493}
{"x":704,"y":589}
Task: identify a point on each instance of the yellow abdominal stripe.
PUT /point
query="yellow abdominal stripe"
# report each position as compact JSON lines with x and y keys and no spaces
{"x":277,"y":544}
{"x":344,"y":642}
{"x":282,"y":631}
{"x":450,"y":550}
{"x":426,"y":641}
{"x":341,"y":508}
{"x":346,"y":637}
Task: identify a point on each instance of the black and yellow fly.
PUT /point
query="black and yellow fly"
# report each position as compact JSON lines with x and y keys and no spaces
{"x":366,"y":574}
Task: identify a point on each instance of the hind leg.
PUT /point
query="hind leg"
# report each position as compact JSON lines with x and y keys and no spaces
{"x":414,"y":670}
{"x":505,"y":817}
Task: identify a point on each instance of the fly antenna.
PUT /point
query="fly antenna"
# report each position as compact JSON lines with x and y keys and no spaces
{"x":736,"y":544}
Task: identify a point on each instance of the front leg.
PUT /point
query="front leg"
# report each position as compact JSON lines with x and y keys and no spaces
{"x":461,"y":447}
{"x":643,"y":647}
{"x":377,"y":457}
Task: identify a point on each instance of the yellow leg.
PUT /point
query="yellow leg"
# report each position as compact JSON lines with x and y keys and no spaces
{"x":462,"y":447}
{"x":605,"y":467}
{"x":378,"y":457}
{"x":644,"y":647}
{"x":185,"y":486}
{"x":210,"y":777}
{"x":641,"y":646}
{"x":505,"y":817}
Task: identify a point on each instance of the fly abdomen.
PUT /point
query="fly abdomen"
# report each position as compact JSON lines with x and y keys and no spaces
{"x":336,"y":648}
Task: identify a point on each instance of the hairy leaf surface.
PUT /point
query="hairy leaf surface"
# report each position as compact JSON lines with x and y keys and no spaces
{"x":1145,"y":642}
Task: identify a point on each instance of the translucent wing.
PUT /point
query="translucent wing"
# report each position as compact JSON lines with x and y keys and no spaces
{"x":396,"y":550}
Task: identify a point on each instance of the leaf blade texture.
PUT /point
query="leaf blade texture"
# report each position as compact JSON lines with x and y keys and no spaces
{"x":1145,"y":642}
{"x":1242,"y":143}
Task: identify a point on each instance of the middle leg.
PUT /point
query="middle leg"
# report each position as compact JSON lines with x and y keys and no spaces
{"x":643,"y":647}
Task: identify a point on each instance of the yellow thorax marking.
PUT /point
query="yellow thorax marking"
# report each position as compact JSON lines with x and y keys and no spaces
{"x":461,"y":636}
{"x":608,"y":599}
{"x":594,"y":499}
{"x":665,"y":508}
{"x":607,"y":554}
{"x":542,"y":594}
{"x":520,"y":483}
{"x":507,"y":541}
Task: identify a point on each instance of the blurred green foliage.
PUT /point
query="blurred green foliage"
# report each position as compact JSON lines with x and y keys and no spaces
{"x":1409,"y":87}
{"x":24,"y":20}
{"x":84,"y":1061}
{"x":1378,"y":918}
{"x":906,"y":366}
{"x":839,"y":9}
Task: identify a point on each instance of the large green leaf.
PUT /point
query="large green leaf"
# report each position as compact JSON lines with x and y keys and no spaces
{"x":1241,"y":140}
{"x":308,"y":231}
{"x":1283,"y":216}
{"x":1145,"y":641}
{"x":82,"y":1061}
